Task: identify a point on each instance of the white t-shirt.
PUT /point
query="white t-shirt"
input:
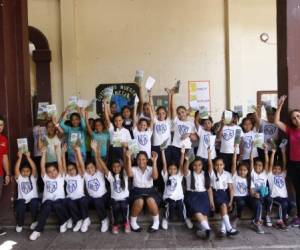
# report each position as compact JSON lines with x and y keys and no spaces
{"x":240,"y":186}
{"x":269,"y":129}
{"x":117,"y":193}
{"x":199,"y":182}
{"x":181,"y":128}
{"x":173,"y":191}
{"x":227,"y":139}
{"x":95,"y":184}
{"x":246,"y":143}
{"x":51,"y":143}
{"x":142,"y":180}
{"x":277,"y":185}
{"x":144,"y":140}
{"x":258,"y":180}
{"x":27,"y":190}
{"x":121,"y":135}
{"x":220,"y":182}
{"x":74,"y":187}
{"x":53,"y":188}
{"x":204,"y":143}
{"x":161,"y":132}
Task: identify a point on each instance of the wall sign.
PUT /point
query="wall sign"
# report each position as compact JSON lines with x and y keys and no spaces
{"x":123,"y":94}
{"x":199,"y":94}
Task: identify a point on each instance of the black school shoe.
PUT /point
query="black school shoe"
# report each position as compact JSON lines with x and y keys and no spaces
{"x":232,"y":232}
{"x":136,"y":230}
{"x":152,"y":230}
{"x":203,"y":234}
{"x":2,"y":232}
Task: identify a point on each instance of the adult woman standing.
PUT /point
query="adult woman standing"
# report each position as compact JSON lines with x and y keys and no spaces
{"x":293,"y":133}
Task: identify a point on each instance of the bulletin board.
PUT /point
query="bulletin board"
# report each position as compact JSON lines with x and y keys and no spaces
{"x":199,"y":93}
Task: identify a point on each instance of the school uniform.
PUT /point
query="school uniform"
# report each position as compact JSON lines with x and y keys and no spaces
{"x":76,"y":201}
{"x":259,"y":185}
{"x":95,"y":186}
{"x":219,"y":184}
{"x":196,"y":199}
{"x":128,"y":124}
{"x":227,"y":144}
{"x":117,"y":137}
{"x":278,"y":193}
{"x":241,"y":193}
{"x":173,"y":196}
{"x":181,"y":128}
{"x":143,"y":185}
{"x":27,"y":199}
{"x":119,"y":198}
{"x":246,"y":143}
{"x":53,"y":200}
{"x":143,"y":139}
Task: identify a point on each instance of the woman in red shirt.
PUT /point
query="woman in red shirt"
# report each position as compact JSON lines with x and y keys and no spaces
{"x":293,"y":133}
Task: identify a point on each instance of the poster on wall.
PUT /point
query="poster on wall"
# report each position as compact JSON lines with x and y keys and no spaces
{"x":123,"y":94}
{"x":160,"y":100}
{"x":199,"y":95}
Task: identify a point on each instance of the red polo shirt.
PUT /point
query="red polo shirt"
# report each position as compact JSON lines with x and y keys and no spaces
{"x":294,"y":139}
{"x":3,"y":151}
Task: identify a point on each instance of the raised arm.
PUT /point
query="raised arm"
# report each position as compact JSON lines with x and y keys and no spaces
{"x":81,"y":166}
{"x":56,"y":124}
{"x":32,"y":164}
{"x":284,"y":158}
{"x":18,"y":163}
{"x":134,"y":115}
{"x":282,"y":126}
{"x":267,"y":160}
{"x":164,"y":161}
{"x":128,"y":164}
{"x":154,"y":166}
{"x":209,"y":161}
{"x":257,"y":117}
{"x":234,"y":160}
{"x":63,"y":157}
{"x":102,"y":165}
{"x":43,"y":162}
{"x":59,"y":159}
{"x":231,"y":195}
{"x":151,"y":112}
{"x":272,"y":160}
{"x":170,"y":103}
{"x":106,"y":112}
{"x":89,"y":129}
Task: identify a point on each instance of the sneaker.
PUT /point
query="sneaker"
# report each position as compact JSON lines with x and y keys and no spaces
{"x":281,"y":226}
{"x":85,"y":225}
{"x":33,"y":225}
{"x":222,"y":234}
{"x":232,"y":232}
{"x":104,"y":225}
{"x":115,"y":229}
{"x":34,"y":235}
{"x":268,"y":221}
{"x":77,"y":226}
{"x":63,"y":228}
{"x":189,"y":223}
{"x":164,"y":224}
{"x":127,"y":228}
{"x":19,"y":229}
{"x":295,"y":222}
{"x":2,"y":232}
{"x":258,"y":227}
{"x":69,"y":223}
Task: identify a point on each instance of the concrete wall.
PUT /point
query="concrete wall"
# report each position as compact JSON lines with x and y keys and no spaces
{"x":100,"y":41}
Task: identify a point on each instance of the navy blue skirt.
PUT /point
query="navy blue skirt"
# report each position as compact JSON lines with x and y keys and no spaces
{"x":144,"y":193}
{"x":197,"y":202}
{"x":220,"y":197}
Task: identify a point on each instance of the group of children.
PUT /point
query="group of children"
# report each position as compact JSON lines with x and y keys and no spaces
{"x":188,"y":167}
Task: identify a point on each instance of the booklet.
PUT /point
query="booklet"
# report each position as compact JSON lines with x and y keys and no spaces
{"x":75,"y":139}
{"x":139,"y":76}
{"x":203,"y":112}
{"x":42,"y":110}
{"x":164,"y":145}
{"x":259,"y":140}
{"x":149,"y":83}
{"x":283,"y":143}
{"x":133,"y":147}
{"x":22,"y":145}
{"x":108,"y":92}
{"x":212,"y":141}
{"x":72,"y":102}
{"x":227,"y":117}
{"x":51,"y":110}
{"x":194,"y":105}
{"x":237,"y":138}
{"x":82,"y":103}
{"x":239,"y":110}
{"x":251,"y":108}
{"x":272,"y":143}
{"x":177,"y":87}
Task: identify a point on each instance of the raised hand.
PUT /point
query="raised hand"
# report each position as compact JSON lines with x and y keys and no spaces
{"x":20,"y":154}
{"x":281,"y":100}
{"x":94,"y":145}
{"x":154,"y":156}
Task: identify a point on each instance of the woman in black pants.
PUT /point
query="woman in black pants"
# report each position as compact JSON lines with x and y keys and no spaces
{"x":293,"y":133}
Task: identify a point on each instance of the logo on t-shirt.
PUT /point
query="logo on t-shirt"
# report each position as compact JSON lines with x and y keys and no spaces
{"x":94,"y":185}
{"x":173,"y":184}
{"x":269,"y":129}
{"x":117,"y":186}
{"x":259,"y":183}
{"x":228,"y":134}
{"x":247,"y":141}
{"x":183,"y":129}
{"x":279,"y":181}
{"x":26,"y":187}
{"x":71,"y":185}
{"x":241,"y":187}
{"x":206,"y":138}
{"x":160,"y":128}
{"x":51,"y":186}
{"x":143,"y":139}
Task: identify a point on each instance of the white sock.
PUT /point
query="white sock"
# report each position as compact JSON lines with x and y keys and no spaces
{"x":133,"y":223}
{"x":227,"y":222}
{"x":155,"y":222}
{"x":204,"y":225}
{"x":223,"y":227}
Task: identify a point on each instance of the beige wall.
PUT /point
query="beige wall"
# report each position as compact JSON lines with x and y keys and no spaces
{"x":95,"y":41}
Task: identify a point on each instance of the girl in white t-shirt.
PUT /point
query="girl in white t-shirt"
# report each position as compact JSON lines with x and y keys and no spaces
{"x":119,"y":136}
{"x":54,"y":194}
{"x":221,"y":183}
{"x":76,"y":201}
{"x":278,"y":190}
{"x":119,"y":196}
{"x":26,"y":178}
{"x":247,"y":140}
{"x":143,"y":191}
{"x":173,"y":192}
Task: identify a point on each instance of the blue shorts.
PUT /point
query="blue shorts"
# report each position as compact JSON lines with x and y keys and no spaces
{"x":220,"y":197}
{"x":197,"y":202}
{"x":144,"y":193}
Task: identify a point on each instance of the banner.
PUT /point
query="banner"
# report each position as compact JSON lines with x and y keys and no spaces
{"x":123,"y":95}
